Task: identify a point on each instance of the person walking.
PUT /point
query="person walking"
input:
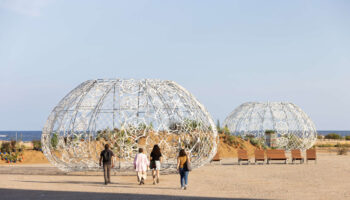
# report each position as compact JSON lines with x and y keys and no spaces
{"x":108,"y":163}
{"x":156,"y":158}
{"x":141,"y":164}
{"x":182,"y":160}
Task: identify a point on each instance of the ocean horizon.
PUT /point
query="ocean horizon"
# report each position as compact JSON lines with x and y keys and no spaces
{"x":36,"y":135}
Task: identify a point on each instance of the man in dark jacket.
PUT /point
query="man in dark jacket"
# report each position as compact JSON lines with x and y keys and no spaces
{"x":106,"y":158}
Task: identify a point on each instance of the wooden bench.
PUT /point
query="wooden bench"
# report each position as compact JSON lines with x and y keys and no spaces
{"x":311,"y":155}
{"x":259,"y":155}
{"x":216,"y":158}
{"x":276,"y":154}
{"x":242,"y":156}
{"x":296,"y":155}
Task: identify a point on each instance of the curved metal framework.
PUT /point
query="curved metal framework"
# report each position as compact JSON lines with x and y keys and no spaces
{"x":293,"y":127}
{"x":127,"y":114}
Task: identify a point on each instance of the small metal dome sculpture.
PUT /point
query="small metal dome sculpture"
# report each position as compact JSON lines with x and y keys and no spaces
{"x":127,"y":114}
{"x":277,"y":124}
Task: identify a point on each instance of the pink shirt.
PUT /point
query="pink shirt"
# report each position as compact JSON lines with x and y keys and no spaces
{"x":141,"y":162}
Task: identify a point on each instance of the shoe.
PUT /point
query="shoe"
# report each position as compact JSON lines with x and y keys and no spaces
{"x":142,"y":181}
{"x":185,"y":187}
{"x":154,"y":182}
{"x":182,"y":188}
{"x":106,"y":183}
{"x":157,"y":180}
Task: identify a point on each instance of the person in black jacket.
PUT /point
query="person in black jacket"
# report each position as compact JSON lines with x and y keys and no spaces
{"x":156,"y":158}
{"x":108,"y":163}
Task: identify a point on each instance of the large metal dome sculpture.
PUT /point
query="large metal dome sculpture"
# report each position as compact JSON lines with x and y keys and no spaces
{"x":293,"y":128}
{"x":127,"y":114}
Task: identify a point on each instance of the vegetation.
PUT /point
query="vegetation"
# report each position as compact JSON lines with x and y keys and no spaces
{"x":342,"y":149}
{"x":54,"y":140}
{"x":333,"y":136}
{"x":320,"y":137}
{"x":36,"y":145}
{"x":325,"y":145}
{"x":270,"y":131}
{"x":218,"y":127}
{"x":11,"y":146}
{"x":258,"y":142}
{"x":11,"y":151}
{"x":333,"y":145}
{"x":6,"y":147}
{"x":347,"y":137}
{"x":342,"y":145}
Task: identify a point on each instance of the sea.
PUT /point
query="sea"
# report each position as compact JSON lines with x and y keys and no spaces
{"x":36,"y":135}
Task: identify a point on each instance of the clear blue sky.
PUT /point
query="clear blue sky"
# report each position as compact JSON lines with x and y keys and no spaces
{"x":224,"y":52}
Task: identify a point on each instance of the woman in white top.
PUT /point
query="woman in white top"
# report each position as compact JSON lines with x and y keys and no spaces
{"x":141,"y":164}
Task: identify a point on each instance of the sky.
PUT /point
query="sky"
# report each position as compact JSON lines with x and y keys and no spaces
{"x":224,"y":52}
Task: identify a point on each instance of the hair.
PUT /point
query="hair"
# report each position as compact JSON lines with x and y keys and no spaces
{"x":182,"y":152}
{"x":140,"y":150}
{"x":156,"y":150}
{"x":106,"y":146}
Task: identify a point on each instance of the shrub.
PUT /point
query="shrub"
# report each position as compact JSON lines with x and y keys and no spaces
{"x":36,"y":145}
{"x":270,"y":131}
{"x":254,"y":141}
{"x":230,"y":139}
{"x":54,"y":140}
{"x":6,"y":147}
{"x":249,"y":136}
{"x":320,"y":137}
{"x":333,"y":136}
{"x":225,"y":130}
{"x":325,"y":145}
{"x":342,"y":149}
{"x":342,"y":145}
{"x":347,"y":137}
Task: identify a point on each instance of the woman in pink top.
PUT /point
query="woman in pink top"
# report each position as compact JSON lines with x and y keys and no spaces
{"x":141,"y":164}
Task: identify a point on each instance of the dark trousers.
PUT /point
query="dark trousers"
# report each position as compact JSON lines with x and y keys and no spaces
{"x":107,"y":172}
{"x":183,"y":177}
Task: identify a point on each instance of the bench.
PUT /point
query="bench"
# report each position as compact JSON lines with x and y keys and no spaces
{"x":216,"y":158}
{"x":259,"y":155}
{"x":276,"y":154}
{"x":242,"y":156}
{"x":311,"y":155}
{"x":296,"y":155}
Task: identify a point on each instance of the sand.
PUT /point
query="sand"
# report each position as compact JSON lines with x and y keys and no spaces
{"x":328,"y":179}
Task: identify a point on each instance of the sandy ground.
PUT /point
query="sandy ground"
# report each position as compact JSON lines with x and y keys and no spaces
{"x":328,"y":179}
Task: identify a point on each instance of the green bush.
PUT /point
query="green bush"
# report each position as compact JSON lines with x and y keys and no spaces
{"x":320,"y":137}
{"x":36,"y":145}
{"x":6,"y":147}
{"x":325,"y":145}
{"x":254,"y":141}
{"x":249,"y":136}
{"x":333,"y":136}
{"x":54,"y":140}
{"x":225,"y":130}
{"x":342,"y":145}
{"x":342,"y":149}
{"x":347,"y":137}
{"x":270,"y":131}
{"x":9,"y":147}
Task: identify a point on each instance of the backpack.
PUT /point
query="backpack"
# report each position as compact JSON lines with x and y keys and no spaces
{"x":106,"y":156}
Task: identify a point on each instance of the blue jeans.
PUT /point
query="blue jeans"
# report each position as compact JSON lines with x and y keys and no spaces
{"x":183,"y":177}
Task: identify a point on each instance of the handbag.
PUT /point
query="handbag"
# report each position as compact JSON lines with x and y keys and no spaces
{"x":188,"y":165}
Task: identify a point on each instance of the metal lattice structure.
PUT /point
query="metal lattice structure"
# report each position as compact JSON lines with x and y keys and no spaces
{"x":294,"y":129}
{"x":127,"y":114}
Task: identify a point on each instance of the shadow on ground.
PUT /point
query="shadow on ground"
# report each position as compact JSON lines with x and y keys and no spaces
{"x":7,"y":194}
